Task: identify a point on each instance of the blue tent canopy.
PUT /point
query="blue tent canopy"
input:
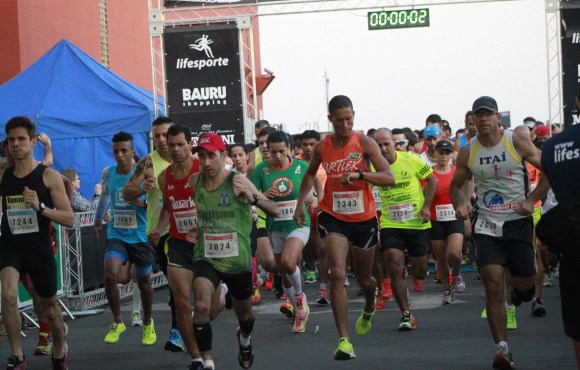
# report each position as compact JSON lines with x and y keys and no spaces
{"x":80,"y":105}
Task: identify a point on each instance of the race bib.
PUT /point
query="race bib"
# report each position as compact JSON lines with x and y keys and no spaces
{"x":491,"y":228}
{"x":348,"y":202}
{"x":285,"y":210}
{"x":377,"y":198}
{"x":221,"y":245}
{"x":125,"y":219}
{"x":185,"y":220}
{"x":22,"y":221}
{"x":401,"y":212}
{"x":445,"y":212}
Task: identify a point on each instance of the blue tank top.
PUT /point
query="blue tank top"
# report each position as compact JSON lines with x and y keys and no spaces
{"x":128,"y":222}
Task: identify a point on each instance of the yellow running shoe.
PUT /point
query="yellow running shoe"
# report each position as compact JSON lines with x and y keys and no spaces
{"x":115,"y":332}
{"x":149,"y":336}
{"x":511,"y":323}
{"x":364,"y":323}
{"x":344,"y":350}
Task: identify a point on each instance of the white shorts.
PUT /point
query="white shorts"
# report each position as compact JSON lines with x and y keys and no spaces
{"x":278,"y":238}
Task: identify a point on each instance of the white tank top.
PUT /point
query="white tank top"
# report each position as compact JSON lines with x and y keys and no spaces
{"x":501,"y":180}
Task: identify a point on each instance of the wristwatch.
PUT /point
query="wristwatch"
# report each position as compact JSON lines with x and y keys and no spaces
{"x":256,"y":199}
{"x":41,"y":208}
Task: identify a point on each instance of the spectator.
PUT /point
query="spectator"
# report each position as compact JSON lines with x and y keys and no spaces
{"x":79,"y":203}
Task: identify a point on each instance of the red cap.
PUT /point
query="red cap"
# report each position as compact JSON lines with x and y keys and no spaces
{"x":210,"y":142}
{"x":542,"y":131}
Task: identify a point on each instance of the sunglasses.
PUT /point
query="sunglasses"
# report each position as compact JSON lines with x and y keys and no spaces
{"x":400,"y":142}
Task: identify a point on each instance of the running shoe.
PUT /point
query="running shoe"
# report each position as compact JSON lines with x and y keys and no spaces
{"x":149,"y":336}
{"x":136,"y":319}
{"x":59,"y":363}
{"x":281,"y":294}
{"x":548,"y":277}
{"x":174,"y":343}
{"x":44,"y":346}
{"x":511,"y":323}
{"x":407,"y":322}
{"x":269,"y":284}
{"x":302,"y":314}
{"x":503,"y":360}
{"x":346,"y":282}
{"x":287,"y":309}
{"x":418,"y":284}
{"x":381,"y":302}
{"x":322,"y":297}
{"x":115,"y":332}
{"x":459,"y":284}
{"x":448,"y":297}
{"x":450,"y":279}
{"x":344,"y":350}
{"x":310,"y":277}
{"x":538,"y":308}
{"x":364,"y":323}
{"x":387,"y":292}
{"x":15,"y":364}
{"x":484,"y":313}
{"x":196,"y":365}
{"x":245,"y":354}
{"x":256,"y":294}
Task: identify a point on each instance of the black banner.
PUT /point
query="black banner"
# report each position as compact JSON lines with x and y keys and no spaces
{"x":204,"y":89}
{"x":570,"y":17}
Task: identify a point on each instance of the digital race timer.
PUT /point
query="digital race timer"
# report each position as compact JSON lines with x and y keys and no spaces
{"x":398,"y":19}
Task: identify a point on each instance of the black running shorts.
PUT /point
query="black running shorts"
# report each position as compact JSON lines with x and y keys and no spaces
{"x":239,"y":285}
{"x":440,"y":230}
{"x":39,"y":263}
{"x":414,"y":241}
{"x":362,"y":235}
{"x":515,"y":250}
{"x":179,"y":253}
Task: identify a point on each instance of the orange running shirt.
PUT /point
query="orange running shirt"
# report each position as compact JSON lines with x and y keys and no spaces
{"x":354,"y":202}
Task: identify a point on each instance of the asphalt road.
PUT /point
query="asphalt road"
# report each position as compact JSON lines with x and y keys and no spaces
{"x":447,"y":337}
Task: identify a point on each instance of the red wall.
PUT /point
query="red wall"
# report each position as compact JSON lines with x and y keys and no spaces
{"x":31,"y":27}
{"x":9,"y":43}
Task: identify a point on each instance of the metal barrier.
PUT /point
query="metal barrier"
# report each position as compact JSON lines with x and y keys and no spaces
{"x":79,"y":298}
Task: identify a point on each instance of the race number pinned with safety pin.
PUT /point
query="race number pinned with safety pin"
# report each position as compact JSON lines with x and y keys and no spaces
{"x":221,"y":245}
{"x":348,"y":202}
{"x":491,"y":228}
{"x":285,"y":210}
{"x":445,"y":212}
{"x":401,"y":212}
{"x":125,"y":219}
{"x":21,"y":217}
{"x":185,"y":220}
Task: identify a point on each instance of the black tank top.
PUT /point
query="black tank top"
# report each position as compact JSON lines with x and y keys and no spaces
{"x":19,"y":221}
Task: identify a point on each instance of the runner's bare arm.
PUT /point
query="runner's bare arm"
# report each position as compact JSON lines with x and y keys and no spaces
{"x":383,"y":175}
{"x":244,"y":188}
{"x":62,"y":213}
{"x":526,"y":207}
{"x":142,"y":181}
{"x":155,"y":233}
{"x":525,"y":148}
{"x":429,"y":190}
{"x":306,"y":185}
{"x":456,"y":190}
{"x":250,"y":170}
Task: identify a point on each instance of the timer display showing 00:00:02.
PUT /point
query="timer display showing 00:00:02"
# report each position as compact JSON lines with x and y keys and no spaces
{"x":398,"y":19}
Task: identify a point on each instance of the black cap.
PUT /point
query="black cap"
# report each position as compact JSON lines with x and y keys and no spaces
{"x":444,"y":145}
{"x":485,"y":102}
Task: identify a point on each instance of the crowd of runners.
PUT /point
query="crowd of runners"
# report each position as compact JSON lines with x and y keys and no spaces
{"x":224,"y":223}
